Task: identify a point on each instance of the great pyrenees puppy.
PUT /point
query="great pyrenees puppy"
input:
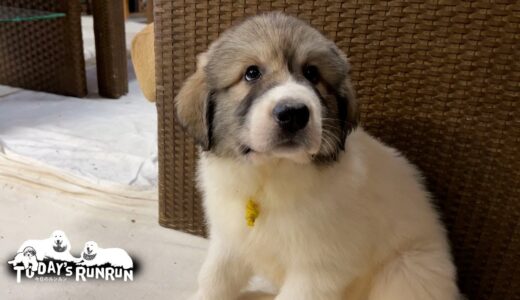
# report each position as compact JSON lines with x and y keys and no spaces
{"x":293,"y":189}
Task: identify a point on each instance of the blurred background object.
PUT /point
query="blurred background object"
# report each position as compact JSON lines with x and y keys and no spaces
{"x":89,"y":138}
{"x":41,"y":46}
{"x":143,"y":59}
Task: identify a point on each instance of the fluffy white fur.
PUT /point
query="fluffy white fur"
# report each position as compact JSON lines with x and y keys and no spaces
{"x":116,"y":257}
{"x":27,"y":258}
{"x":359,"y":228}
{"x":45,"y":248}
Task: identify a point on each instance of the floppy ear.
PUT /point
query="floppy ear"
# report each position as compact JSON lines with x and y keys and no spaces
{"x":348,"y":107}
{"x":352,"y":118}
{"x":193,"y":106}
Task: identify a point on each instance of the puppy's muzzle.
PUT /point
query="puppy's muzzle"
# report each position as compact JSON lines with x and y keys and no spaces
{"x":291,"y":116}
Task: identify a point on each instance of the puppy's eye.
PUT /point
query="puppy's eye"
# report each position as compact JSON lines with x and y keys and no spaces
{"x":311,"y":73}
{"x":252,"y":73}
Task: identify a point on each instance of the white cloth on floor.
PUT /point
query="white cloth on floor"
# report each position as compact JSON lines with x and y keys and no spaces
{"x":102,"y":140}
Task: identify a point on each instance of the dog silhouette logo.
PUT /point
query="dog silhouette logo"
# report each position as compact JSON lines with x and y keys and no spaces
{"x":57,"y":246}
{"x":50,"y":259}
{"x":27,"y":257}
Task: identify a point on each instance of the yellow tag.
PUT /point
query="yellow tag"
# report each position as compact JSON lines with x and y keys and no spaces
{"x":252,"y":212}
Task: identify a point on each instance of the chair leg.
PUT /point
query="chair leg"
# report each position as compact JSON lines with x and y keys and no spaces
{"x":111,"y":58}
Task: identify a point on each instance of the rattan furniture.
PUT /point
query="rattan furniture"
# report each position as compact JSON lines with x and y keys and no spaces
{"x":41,"y":46}
{"x":44,"y":54}
{"x":111,"y":58}
{"x":439,"y":80}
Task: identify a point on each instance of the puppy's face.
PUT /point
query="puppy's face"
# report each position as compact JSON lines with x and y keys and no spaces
{"x":29,"y":252}
{"x":272,"y":87}
{"x":90,"y":247}
{"x":59,"y":238}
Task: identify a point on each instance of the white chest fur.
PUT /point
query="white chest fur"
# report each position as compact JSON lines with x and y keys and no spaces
{"x":346,"y":217}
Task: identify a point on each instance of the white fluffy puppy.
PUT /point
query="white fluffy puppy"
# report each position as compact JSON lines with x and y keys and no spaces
{"x":292,"y":190}
{"x":93,"y":255}
{"x":57,"y":246}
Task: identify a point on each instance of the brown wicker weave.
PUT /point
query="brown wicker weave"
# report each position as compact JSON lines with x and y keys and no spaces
{"x":111,"y":59}
{"x":439,"y":80}
{"x":45,"y":55}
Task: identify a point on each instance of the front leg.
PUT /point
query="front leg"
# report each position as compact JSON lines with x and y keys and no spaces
{"x":26,"y":262}
{"x":223,"y":274}
{"x":311,"y":284}
{"x":34,"y":263}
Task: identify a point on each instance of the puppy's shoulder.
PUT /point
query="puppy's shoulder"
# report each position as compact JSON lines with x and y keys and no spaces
{"x":375,"y":155}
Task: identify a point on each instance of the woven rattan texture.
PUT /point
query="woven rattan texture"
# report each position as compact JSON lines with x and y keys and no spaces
{"x":44,"y":55}
{"x":111,"y":59}
{"x":438,"y":80}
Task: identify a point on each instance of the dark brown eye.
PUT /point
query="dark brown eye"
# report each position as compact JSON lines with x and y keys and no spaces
{"x":311,"y":73}
{"x":252,"y":73}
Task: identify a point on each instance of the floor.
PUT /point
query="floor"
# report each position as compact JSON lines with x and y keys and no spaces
{"x":105,"y":141}
{"x":89,"y":167}
{"x":168,"y":260}
{"x":36,"y":200}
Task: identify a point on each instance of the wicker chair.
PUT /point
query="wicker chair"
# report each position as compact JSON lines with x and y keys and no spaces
{"x":46,"y":53}
{"x":438,"y":80}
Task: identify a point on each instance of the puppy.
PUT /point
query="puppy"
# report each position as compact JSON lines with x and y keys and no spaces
{"x":27,"y":257}
{"x":93,"y":255}
{"x":293,"y":191}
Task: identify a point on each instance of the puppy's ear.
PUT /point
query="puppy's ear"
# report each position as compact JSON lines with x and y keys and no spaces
{"x":352,"y":119}
{"x":193,"y":106}
{"x":347,"y":103}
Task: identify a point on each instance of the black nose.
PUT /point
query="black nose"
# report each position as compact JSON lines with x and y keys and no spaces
{"x":291,"y":117}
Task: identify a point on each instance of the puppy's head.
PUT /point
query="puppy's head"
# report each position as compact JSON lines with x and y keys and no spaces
{"x":60,"y":242}
{"x":29,"y":251}
{"x":59,"y":238}
{"x":90,"y":251}
{"x":91,"y":248}
{"x":271,"y":87}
